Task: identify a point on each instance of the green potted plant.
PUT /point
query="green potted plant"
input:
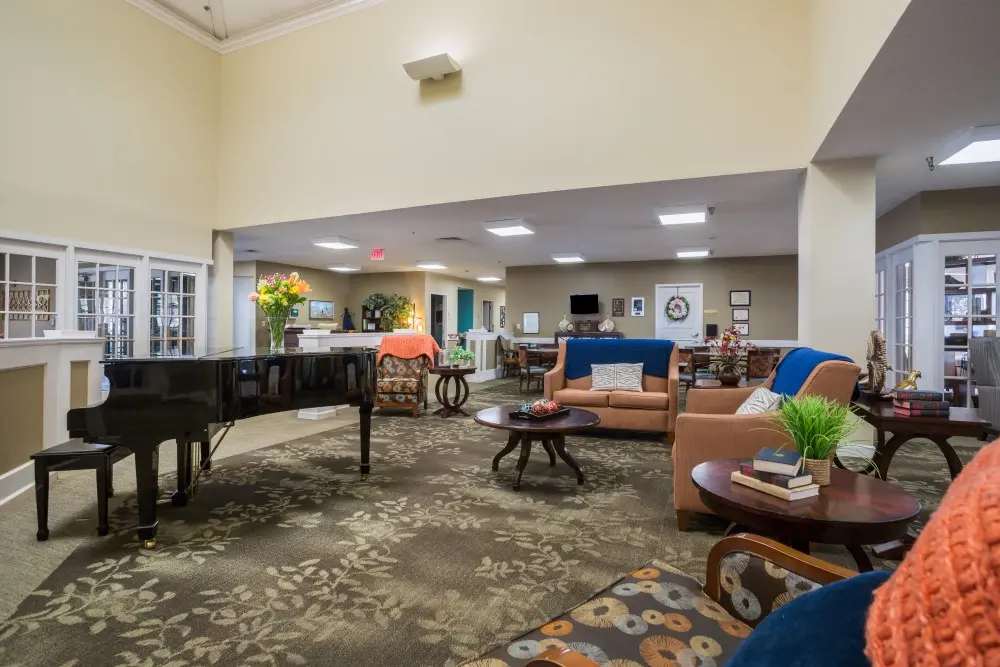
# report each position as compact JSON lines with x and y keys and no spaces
{"x":459,"y":356}
{"x":817,"y":427}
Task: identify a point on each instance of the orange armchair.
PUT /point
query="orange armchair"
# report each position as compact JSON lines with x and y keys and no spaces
{"x":709,"y":429}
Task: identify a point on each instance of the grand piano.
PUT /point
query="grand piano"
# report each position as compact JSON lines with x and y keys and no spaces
{"x":188,"y":400}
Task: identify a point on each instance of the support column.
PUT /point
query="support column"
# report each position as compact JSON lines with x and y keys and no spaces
{"x":220,"y":292}
{"x":837,"y":257}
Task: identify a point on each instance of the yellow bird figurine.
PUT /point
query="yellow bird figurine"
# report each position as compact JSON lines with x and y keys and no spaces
{"x":910,"y":382}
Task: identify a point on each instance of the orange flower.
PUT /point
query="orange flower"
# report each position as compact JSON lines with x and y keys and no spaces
{"x":303,"y":286}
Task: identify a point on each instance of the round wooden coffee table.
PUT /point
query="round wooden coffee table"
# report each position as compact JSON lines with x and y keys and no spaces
{"x":551,"y":432}
{"x":445,"y":374}
{"x":854,"y":510}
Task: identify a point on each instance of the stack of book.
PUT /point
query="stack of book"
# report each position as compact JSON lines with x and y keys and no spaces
{"x":919,"y":403}
{"x":777,"y":472}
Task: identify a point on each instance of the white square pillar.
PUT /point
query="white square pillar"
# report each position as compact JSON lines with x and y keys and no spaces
{"x":220,"y":292}
{"x":837,"y":257}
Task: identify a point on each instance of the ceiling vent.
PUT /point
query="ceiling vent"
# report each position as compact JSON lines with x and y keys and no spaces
{"x":451,"y":239}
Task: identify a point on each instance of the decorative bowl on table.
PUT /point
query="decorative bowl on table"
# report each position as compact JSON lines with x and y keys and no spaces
{"x":541,"y":409}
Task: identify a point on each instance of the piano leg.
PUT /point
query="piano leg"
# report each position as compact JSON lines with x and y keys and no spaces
{"x":365,"y":412}
{"x":180,"y":496}
{"x":206,"y":456}
{"x":147,"y":463}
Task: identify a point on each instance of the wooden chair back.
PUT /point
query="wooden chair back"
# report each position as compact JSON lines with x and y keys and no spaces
{"x":762,"y":362}
{"x":522,"y":357}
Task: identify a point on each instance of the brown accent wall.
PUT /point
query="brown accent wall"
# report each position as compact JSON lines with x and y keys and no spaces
{"x":22,"y":395}
{"x":404,"y":283}
{"x":79,"y":384}
{"x":899,"y":224}
{"x":940,"y":212}
{"x":773,"y":281}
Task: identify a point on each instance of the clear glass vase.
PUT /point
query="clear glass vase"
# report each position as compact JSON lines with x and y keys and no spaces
{"x":276,"y":325}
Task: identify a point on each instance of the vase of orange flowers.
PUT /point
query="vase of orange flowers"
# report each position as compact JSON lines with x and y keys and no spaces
{"x":277,"y":295}
{"x":729,"y":356}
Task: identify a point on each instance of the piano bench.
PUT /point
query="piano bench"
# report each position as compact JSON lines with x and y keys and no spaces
{"x":76,"y":455}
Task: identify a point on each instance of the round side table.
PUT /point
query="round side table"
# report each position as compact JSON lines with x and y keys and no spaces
{"x":449,"y":406}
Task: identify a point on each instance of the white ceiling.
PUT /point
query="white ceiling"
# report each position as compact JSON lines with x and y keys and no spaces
{"x":228,"y":25}
{"x":937,"y":75}
{"x":755,"y":214}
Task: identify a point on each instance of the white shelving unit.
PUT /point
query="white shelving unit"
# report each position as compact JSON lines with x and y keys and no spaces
{"x":941,"y":291}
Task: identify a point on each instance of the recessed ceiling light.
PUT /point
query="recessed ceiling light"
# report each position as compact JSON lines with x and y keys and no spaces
{"x":431,"y":265}
{"x":336,"y":243}
{"x":489,"y":279}
{"x":980,"y":144}
{"x":571,"y":258}
{"x":693,"y":253}
{"x":345,"y":268}
{"x":683,"y":215}
{"x":516,"y":227}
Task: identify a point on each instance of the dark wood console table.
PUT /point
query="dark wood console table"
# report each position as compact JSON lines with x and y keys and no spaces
{"x":588,"y":334}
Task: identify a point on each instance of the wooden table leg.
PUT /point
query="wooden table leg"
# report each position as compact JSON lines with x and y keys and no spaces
{"x":954,"y":463}
{"x":547,"y":444}
{"x":860,"y":557}
{"x":437,"y":394}
{"x":461,"y":395}
{"x":522,"y":460}
{"x":446,"y":408}
{"x":559,"y":444}
{"x":884,"y":458}
{"x":512,"y":440}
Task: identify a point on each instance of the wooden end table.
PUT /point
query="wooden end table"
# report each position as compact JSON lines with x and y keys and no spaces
{"x":879,"y":413}
{"x":451,"y":407}
{"x":551,"y":433}
{"x":854,"y":510}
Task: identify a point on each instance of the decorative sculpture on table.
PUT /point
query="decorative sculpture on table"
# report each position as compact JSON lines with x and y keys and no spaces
{"x":564,"y":324}
{"x":607,"y":325}
{"x":910,"y":382}
{"x":878,"y":363}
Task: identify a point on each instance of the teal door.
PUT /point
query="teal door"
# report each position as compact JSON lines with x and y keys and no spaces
{"x":465,"y":306}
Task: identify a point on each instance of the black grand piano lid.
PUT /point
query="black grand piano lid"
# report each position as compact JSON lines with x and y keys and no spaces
{"x":247,"y":353}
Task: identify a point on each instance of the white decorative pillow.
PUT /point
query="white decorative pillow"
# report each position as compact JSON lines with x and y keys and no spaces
{"x":628,"y":377}
{"x":760,"y":401}
{"x":602,"y":377}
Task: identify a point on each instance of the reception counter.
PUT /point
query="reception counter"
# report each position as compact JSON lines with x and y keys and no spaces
{"x":322,"y":339}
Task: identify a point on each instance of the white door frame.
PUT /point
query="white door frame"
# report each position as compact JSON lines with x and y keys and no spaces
{"x":700,"y":287}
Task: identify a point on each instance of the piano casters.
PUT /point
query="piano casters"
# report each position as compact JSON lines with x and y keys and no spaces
{"x":365,"y":411}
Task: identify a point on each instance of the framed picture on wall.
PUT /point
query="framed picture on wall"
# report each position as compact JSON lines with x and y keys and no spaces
{"x":618,"y":306}
{"x":739,"y":297}
{"x":321,"y":310}
{"x":529,"y":324}
{"x":743,"y":328}
{"x":503,"y":317}
{"x":638,"y":306}
{"x":741,"y":314}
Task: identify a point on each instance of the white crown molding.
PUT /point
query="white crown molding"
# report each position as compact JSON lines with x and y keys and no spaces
{"x":263,"y":34}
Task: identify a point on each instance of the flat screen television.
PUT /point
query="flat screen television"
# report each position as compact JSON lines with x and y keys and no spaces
{"x":583,"y":304}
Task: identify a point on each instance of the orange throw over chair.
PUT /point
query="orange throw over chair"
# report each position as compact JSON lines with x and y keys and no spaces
{"x":403,"y":362}
{"x":710,"y":429}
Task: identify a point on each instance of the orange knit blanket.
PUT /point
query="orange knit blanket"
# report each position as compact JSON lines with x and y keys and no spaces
{"x":409,"y":346}
{"x":940,"y":608}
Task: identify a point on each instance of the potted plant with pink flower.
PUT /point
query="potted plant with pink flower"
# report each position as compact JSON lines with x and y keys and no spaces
{"x":277,"y":295}
{"x":729,"y":356}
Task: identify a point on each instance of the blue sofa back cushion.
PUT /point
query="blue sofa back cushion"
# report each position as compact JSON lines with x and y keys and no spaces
{"x":796,"y":366}
{"x":654,"y":355}
{"x":823,"y":628}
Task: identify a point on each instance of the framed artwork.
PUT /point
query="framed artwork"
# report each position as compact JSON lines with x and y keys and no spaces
{"x":503,"y":317}
{"x":739,"y":297}
{"x":529,"y":324}
{"x":741,"y":314}
{"x":743,"y":328}
{"x":321,"y":310}
{"x":583,"y":326}
{"x":618,"y":306}
{"x":638,"y":306}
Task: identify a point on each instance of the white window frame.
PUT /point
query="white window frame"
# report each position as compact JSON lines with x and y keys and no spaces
{"x":136,"y":263}
{"x":13,"y":247}
{"x":200,"y":315}
{"x":881,"y":297}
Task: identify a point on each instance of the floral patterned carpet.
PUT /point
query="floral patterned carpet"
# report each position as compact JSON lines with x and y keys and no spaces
{"x":286,"y":557}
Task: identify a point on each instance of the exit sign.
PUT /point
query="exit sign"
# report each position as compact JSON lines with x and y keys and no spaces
{"x":378,"y":254}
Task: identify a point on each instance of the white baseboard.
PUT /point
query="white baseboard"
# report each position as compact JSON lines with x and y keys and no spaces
{"x":320,"y":413}
{"x":15,"y":482}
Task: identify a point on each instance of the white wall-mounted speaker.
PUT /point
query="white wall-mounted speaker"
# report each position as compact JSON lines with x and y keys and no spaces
{"x":434,"y":67}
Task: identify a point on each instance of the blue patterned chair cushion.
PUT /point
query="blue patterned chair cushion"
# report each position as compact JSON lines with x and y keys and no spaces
{"x":657,"y":615}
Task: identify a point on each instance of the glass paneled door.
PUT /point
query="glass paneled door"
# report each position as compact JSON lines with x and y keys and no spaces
{"x":970,"y":311}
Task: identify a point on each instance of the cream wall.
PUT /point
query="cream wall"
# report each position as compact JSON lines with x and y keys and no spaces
{"x":553,"y":95}
{"x":405,"y":283}
{"x":773,"y":281}
{"x":844,"y":38}
{"x":108,"y":127}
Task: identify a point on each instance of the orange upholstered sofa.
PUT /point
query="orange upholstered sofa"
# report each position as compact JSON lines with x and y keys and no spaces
{"x":652,"y":409}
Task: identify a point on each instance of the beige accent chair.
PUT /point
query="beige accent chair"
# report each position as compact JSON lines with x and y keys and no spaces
{"x":709,"y":429}
{"x":652,"y":409}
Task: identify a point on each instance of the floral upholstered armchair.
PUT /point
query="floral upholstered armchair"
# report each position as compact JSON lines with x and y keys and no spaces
{"x":659,"y":615}
{"x":402,"y":383}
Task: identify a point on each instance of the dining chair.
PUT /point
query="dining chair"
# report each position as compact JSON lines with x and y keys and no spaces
{"x":699,"y":366}
{"x":760,"y":363}
{"x":529,"y":372}
{"x":506,"y":358}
